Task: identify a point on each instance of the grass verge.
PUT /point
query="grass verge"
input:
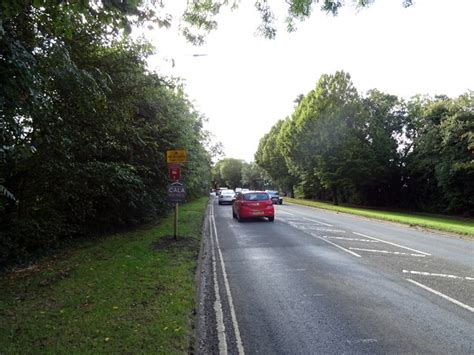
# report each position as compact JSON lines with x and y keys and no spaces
{"x":461,"y":226}
{"x":126,"y":293}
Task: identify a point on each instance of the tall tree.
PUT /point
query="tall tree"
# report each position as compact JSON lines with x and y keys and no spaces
{"x":229,"y":170}
{"x":383,"y":130}
{"x":325,"y":141}
{"x":254,"y":177}
{"x":438,"y":164}
{"x":270,"y":157}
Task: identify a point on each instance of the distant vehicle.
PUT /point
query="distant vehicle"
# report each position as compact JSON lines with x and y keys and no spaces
{"x":275,"y":196}
{"x":220,"y":189}
{"x":253,"y":204}
{"x":238,"y":189}
{"x":226,"y":196}
{"x":245,"y":190}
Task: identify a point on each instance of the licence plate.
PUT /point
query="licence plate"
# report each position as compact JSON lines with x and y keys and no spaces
{"x":257,"y":213}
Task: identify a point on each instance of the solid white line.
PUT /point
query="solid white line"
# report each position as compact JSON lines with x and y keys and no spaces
{"x":338,"y":246}
{"x":467,"y":278}
{"x":465,"y":306}
{"x":315,"y":221}
{"x":387,"y":252}
{"x":397,"y":245}
{"x":354,"y":239}
{"x":217,"y":303}
{"x":238,"y":339}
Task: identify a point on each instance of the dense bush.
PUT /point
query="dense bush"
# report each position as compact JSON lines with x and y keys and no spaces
{"x":84,"y":127}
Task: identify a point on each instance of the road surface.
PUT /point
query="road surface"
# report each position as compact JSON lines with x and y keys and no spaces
{"x":320,"y":282}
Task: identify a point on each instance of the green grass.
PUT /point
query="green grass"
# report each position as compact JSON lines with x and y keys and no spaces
{"x":461,"y":226}
{"x":115,"y":295}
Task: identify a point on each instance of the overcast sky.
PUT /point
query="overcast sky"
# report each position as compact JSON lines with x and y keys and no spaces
{"x":244,"y":84}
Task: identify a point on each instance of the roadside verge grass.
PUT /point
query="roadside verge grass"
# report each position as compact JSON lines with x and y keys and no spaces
{"x":125,"y":293}
{"x":462,"y":226}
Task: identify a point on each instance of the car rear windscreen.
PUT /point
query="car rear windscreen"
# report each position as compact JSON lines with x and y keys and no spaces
{"x":256,"y":197}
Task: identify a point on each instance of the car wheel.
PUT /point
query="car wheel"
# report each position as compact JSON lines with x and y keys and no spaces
{"x":220,"y":203}
{"x":238,"y":218}
{"x":280,"y":202}
{"x":233,"y":214}
{"x":271,"y":219}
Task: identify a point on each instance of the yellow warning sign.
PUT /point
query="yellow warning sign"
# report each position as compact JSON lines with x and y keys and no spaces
{"x":176,"y":156}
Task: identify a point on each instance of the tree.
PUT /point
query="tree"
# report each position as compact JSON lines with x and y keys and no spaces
{"x":455,"y":169}
{"x":85,"y":127}
{"x":270,"y":157}
{"x":383,"y":129}
{"x":254,"y":177}
{"x":339,"y":142}
{"x":200,"y":14}
{"x":438,"y":163}
{"x":324,"y":141}
{"x":229,"y":172}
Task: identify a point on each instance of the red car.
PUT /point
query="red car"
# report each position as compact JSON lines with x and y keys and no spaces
{"x":253,"y":204}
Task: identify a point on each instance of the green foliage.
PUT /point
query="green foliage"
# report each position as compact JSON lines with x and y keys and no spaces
{"x":232,"y":173}
{"x":199,"y":16}
{"x":375,"y":149}
{"x":439,"y":165}
{"x":228,"y":172}
{"x":270,"y":157}
{"x":85,"y":126}
{"x":325,"y":141}
{"x":455,"y":169}
{"x":118,"y":294}
{"x":254,"y":177}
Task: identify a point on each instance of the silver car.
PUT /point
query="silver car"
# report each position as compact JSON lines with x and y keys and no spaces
{"x":226,"y":196}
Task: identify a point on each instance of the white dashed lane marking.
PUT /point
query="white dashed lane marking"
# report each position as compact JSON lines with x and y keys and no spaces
{"x":329,"y":230}
{"x":354,"y":239}
{"x":452,"y":300}
{"x":394,"y":244}
{"x":387,"y":252}
{"x":422,"y":273}
{"x":318,"y":222}
{"x":336,"y":245}
{"x":361,"y":341}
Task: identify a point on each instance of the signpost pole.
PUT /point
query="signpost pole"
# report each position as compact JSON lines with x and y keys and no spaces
{"x":176,"y":221}
{"x":176,"y":190}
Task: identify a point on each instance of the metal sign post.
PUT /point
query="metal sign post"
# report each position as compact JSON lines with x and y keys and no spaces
{"x":176,"y":221}
{"x":176,"y":195}
{"x":176,"y":190}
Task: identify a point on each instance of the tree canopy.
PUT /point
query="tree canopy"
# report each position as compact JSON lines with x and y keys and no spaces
{"x":374,"y":149}
{"x":85,"y":125}
{"x":233,"y":173}
{"x":200,"y":14}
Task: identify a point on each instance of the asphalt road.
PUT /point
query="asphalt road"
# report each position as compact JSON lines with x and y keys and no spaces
{"x":319,"y":282}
